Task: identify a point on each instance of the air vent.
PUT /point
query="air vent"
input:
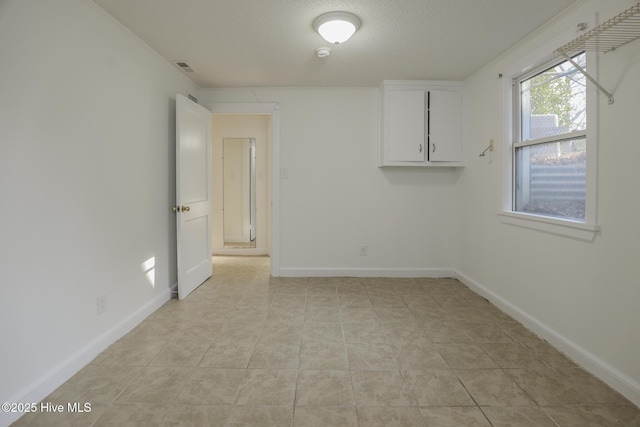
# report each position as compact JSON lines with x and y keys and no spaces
{"x":183,"y":66}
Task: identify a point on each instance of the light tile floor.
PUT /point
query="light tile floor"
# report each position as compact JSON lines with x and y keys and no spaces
{"x":246,"y":349}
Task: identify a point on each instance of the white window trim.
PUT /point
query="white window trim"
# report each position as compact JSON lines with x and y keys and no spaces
{"x":561,"y":227}
{"x":573,"y":229}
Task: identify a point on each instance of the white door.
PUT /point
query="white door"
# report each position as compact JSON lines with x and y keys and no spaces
{"x":193,"y":194}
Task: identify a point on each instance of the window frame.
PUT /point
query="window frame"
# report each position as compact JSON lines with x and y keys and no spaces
{"x":520,"y":142}
{"x":535,"y":62}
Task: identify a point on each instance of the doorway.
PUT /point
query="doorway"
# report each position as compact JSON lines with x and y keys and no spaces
{"x":241,"y":184}
{"x":272,"y":197}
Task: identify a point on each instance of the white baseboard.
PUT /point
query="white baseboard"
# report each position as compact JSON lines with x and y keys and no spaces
{"x":56,"y":376}
{"x":617,"y":380}
{"x":366,"y":272}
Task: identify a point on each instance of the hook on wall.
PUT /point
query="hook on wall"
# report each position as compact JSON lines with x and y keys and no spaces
{"x":489,"y":148}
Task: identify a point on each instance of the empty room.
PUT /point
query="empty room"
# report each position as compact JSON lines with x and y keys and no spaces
{"x":224,"y":213}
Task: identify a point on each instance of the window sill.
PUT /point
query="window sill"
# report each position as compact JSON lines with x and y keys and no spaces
{"x":572,"y":229}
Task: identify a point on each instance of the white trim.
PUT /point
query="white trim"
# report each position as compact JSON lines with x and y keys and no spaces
{"x":367,"y":272}
{"x":575,"y":230}
{"x":56,"y":376}
{"x":617,"y":380}
{"x":242,"y":107}
{"x":273,"y":109}
{"x":576,"y":134}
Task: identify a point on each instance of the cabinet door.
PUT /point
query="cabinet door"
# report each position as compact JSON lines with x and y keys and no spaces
{"x":445,"y":126}
{"x":406,"y":125}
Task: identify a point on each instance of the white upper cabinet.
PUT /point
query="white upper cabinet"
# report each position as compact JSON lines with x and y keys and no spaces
{"x":421,"y":124}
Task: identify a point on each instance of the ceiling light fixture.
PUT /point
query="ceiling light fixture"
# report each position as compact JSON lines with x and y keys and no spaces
{"x":336,"y":27}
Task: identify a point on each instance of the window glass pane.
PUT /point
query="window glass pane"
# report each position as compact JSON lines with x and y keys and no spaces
{"x":551,"y":179}
{"x":553,"y":102}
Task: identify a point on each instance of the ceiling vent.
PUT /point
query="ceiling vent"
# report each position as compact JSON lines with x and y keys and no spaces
{"x":183,"y":66}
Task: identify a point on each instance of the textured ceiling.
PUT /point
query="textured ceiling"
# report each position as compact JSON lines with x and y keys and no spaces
{"x":237,"y":43}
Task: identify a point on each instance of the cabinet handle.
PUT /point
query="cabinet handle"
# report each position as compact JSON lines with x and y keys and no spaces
{"x":434,"y":148}
{"x":421,"y":148}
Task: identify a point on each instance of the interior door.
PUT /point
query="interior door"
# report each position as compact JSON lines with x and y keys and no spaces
{"x":193,"y":194}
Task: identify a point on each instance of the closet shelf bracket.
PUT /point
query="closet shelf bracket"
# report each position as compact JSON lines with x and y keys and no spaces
{"x":588,"y":76}
{"x":606,"y":37}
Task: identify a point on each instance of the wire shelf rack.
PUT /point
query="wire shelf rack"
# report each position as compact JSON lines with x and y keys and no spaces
{"x":608,"y":36}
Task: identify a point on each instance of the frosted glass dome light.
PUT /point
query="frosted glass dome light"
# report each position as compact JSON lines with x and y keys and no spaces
{"x":336,"y":27}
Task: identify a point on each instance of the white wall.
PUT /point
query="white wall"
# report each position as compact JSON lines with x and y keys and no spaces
{"x":86,"y":177}
{"x":242,"y":126}
{"x":87,"y":155}
{"x":581,"y":296}
{"x":336,"y":199}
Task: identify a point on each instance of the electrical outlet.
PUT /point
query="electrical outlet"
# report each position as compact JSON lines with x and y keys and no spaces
{"x":364,"y":250}
{"x":102,"y":303}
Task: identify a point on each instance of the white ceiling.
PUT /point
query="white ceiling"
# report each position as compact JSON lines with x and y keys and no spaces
{"x":238,"y":43}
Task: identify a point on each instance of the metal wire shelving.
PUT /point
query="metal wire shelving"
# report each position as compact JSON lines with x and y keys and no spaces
{"x":606,"y":37}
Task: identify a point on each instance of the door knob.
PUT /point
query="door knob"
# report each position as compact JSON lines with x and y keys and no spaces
{"x":180,"y":208}
{"x":185,"y":208}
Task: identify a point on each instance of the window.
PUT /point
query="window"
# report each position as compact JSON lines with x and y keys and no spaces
{"x":550,"y":151}
{"x":552,"y":161}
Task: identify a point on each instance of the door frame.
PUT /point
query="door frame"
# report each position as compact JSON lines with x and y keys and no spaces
{"x":272,"y":109}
